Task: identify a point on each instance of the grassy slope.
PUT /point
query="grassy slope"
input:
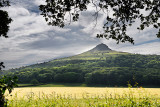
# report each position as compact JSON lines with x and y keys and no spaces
{"x":86,"y":56}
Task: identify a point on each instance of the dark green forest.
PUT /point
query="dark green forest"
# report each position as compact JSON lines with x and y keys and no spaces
{"x":109,"y":68}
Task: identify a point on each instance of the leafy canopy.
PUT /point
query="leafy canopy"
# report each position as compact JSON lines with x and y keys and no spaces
{"x":125,"y":12}
{"x":5,"y":20}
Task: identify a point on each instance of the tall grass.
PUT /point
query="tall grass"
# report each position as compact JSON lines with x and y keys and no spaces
{"x":132,"y":98}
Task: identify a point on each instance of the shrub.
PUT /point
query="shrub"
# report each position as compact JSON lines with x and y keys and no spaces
{"x":34,"y":82}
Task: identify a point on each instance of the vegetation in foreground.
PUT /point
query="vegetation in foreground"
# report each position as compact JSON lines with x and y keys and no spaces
{"x":6,"y":83}
{"x":126,"y":99}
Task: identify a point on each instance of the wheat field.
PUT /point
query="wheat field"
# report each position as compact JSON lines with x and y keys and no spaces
{"x":78,"y":92}
{"x":83,"y":97}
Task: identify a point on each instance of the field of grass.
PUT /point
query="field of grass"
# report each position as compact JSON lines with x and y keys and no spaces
{"x":74,"y":85}
{"x":84,"y":97}
{"x":55,"y":85}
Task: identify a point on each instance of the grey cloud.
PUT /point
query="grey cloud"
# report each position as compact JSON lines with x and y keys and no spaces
{"x":28,"y":4}
{"x":58,"y":42}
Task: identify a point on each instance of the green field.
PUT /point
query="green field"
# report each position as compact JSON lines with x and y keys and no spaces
{"x":84,"y":97}
{"x":55,"y":85}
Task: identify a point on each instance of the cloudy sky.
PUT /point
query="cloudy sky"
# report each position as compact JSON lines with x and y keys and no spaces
{"x":32,"y":41}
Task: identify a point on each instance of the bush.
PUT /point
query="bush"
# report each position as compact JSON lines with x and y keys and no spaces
{"x":34,"y":82}
{"x":6,"y":83}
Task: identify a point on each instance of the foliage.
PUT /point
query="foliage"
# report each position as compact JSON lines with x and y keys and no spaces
{"x":34,"y":82}
{"x":5,"y":20}
{"x":1,"y":65}
{"x":6,"y":83}
{"x":125,"y":13}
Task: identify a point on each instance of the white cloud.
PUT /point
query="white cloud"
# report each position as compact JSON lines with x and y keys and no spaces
{"x":148,"y":48}
{"x":39,"y":2}
{"x":15,"y":11}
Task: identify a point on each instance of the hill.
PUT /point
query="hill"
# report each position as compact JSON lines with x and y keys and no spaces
{"x":100,"y":65}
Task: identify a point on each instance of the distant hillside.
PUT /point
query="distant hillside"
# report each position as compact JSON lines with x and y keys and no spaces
{"x":100,"y":65}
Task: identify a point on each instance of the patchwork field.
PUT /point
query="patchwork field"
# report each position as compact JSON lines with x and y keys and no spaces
{"x":83,"y":96}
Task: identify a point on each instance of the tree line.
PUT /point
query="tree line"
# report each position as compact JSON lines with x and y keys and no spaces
{"x":113,"y":71}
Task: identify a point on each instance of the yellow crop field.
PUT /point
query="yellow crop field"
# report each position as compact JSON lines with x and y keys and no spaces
{"x":84,"y":97}
{"x":80,"y":92}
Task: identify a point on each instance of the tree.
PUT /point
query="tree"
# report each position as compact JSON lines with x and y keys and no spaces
{"x":6,"y":83}
{"x":125,"y":13}
{"x":34,"y":81}
{"x":5,"y":20}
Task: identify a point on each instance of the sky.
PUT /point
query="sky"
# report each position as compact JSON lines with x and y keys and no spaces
{"x":32,"y":41}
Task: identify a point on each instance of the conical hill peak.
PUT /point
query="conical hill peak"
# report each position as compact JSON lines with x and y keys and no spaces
{"x":101,"y":47}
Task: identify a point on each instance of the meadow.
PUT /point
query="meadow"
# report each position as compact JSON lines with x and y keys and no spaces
{"x":84,"y":97}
